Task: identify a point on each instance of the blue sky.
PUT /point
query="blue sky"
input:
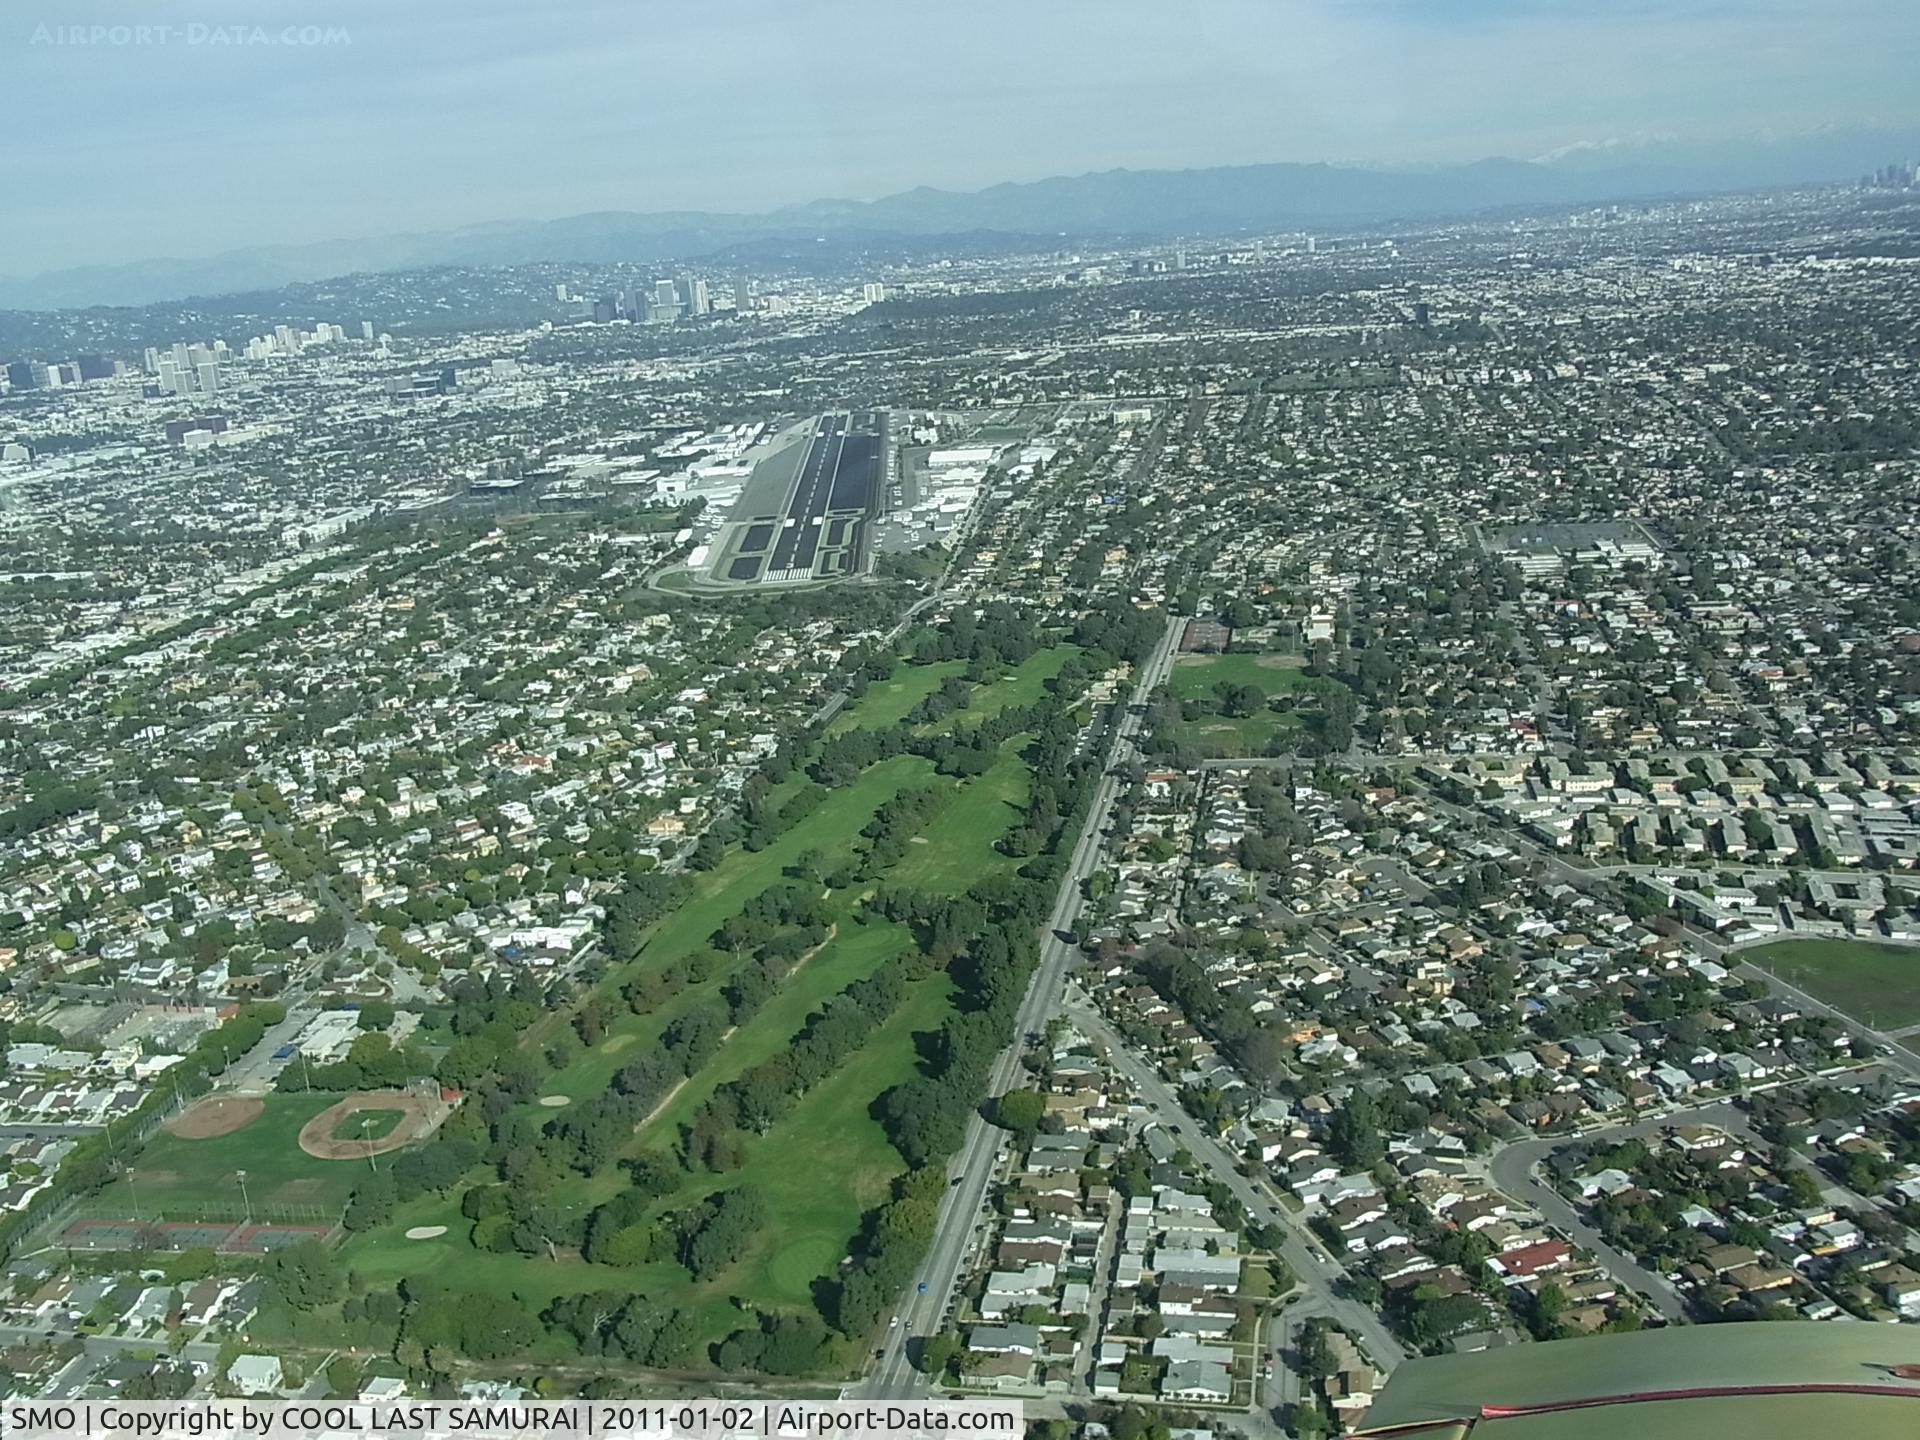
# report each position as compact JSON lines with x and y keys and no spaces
{"x":211,"y":131}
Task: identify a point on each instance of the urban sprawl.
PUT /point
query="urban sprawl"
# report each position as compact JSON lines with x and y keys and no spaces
{"x":1155,"y":830}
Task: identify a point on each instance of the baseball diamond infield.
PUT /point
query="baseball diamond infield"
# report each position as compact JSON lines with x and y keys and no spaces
{"x":420,"y":1116}
{"x":215,"y":1115}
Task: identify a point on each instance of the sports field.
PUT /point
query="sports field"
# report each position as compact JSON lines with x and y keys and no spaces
{"x":366,"y":1125}
{"x":1879,"y":984}
{"x":1195,"y":675}
{"x":183,"y":1178}
{"x":1227,"y":736}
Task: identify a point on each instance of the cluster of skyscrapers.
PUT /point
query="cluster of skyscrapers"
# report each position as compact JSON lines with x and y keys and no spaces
{"x":194,"y":369}
{"x":56,"y":374}
{"x":660,"y":304}
{"x":185,"y":369}
{"x":285,"y":340}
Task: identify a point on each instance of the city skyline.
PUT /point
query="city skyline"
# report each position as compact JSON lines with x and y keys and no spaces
{"x":370,"y":121}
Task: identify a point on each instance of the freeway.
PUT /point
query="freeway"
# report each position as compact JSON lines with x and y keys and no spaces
{"x":1319,"y":1274}
{"x":924,"y":1310}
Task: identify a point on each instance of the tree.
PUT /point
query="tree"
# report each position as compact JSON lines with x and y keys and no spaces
{"x":708,"y":851}
{"x":720,"y":1236}
{"x":375,"y":1015}
{"x":1549,"y":1305}
{"x":372,"y":1202}
{"x":937,"y":1352}
{"x":1240,"y":614}
{"x":306,"y":1276}
{"x":1804,"y":1189}
{"x":922,"y":1120}
{"x":1020,"y":1111}
{"x":1354,"y":1132}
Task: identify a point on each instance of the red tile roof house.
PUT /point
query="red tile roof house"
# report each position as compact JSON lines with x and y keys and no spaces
{"x":1531,"y":1260}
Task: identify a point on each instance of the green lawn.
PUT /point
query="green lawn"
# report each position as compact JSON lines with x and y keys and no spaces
{"x":1224,"y":736}
{"x":1220,"y":737}
{"x":822,"y":1167}
{"x":830,"y":829}
{"x":1195,"y":675}
{"x":1876,"y":983}
{"x":367,"y":1124}
{"x":854,"y":952}
{"x":888,"y":701}
{"x":959,"y":849}
{"x":826,"y":1163}
{"x":185,"y":1179}
{"x":1023,"y":684}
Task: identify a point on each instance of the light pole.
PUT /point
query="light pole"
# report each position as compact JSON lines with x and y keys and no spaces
{"x":365,"y":1121}
{"x":245,"y":1201}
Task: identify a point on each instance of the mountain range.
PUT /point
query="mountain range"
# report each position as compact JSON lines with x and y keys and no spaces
{"x":1216,"y":201}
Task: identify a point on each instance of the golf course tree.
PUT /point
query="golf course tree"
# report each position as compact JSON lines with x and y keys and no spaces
{"x":372,"y":1202}
{"x":719,"y":1231}
{"x":832,"y":1034}
{"x":1001,"y":636}
{"x":306,"y":1276}
{"x":632,"y":1327}
{"x":776,"y":1345}
{"x":887,"y":1251}
{"x":477,"y":1324}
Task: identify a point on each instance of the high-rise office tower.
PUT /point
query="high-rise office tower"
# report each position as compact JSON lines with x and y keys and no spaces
{"x":366,"y":329}
{"x":691,"y":294}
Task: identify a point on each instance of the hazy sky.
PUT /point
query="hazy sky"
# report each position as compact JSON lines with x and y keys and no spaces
{"x":220,"y":126}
